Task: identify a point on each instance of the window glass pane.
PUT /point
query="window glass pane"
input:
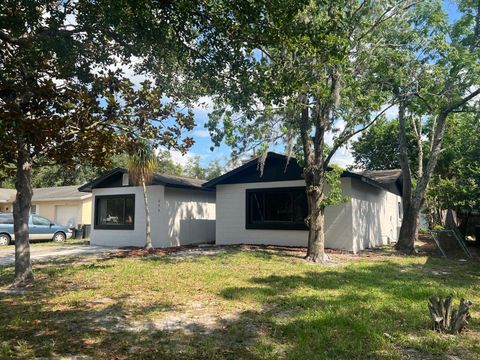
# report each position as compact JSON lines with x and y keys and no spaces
{"x":300,"y":206}
{"x":33,"y":209}
{"x":41,"y":221}
{"x":111,"y":211}
{"x":129,"y":210}
{"x":256,"y":207}
{"x":6,"y":219}
{"x":278,"y":206}
{"x":115,"y":211}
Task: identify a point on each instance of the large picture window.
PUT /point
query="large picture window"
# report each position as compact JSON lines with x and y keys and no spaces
{"x":115,"y":212}
{"x":276,"y":209}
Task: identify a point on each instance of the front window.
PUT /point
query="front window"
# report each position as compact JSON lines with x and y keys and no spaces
{"x":276,"y":209}
{"x":115,"y":212}
{"x":40,"y":221}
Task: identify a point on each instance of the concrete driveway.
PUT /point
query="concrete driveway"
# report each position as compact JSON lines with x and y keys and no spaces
{"x":52,"y":253}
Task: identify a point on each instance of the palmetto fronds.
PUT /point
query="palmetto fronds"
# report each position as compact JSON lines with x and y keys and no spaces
{"x":142,"y":164}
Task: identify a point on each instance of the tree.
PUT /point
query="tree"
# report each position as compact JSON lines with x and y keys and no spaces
{"x":57,"y":175}
{"x":456,"y":181}
{"x":453,"y":62}
{"x":214,"y":169}
{"x":165,"y":164}
{"x":64,"y":99}
{"x":378,"y":149}
{"x":194,"y":169}
{"x":312,"y":70}
{"x":142,"y":164}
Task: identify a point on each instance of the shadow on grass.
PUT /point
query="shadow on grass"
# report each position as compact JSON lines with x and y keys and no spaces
{"x":344,"y":313}
{"x":315,"y":313}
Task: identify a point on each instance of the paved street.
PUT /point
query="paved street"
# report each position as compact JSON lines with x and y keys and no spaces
{"x":49,"y":253}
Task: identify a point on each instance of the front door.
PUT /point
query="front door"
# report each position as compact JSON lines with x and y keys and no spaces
{"x":41,"y":228}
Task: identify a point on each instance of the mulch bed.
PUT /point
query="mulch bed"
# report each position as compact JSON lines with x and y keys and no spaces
{"x":426,"y":246}
{"x":132,"y":251}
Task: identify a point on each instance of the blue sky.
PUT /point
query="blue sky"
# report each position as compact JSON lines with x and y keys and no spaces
{"x":203,"y":142}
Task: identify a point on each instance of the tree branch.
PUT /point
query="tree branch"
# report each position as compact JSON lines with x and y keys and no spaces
{"x":456,"y":104}
{"x":344,"y":137}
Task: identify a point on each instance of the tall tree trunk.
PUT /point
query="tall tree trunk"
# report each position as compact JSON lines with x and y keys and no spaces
{"x":148,"y":241}
{"x":316,"y":232}
{"x":413,"y":198}
{"x":464,"y":218}
{"x":21,"y":214}
{"x":409,"y":228}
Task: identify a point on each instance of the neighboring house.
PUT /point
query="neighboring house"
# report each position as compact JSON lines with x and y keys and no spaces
{"x":270,"y":209}
{"x":7,"y":196}
{"x":65,"y":205}
{"x":181,"y":211}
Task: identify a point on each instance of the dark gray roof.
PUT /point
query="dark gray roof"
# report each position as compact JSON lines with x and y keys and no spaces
{"x":276,"y":170}
{"x":383,"y":176}
{"x":110,"y":179}
{"x":173,"y":180}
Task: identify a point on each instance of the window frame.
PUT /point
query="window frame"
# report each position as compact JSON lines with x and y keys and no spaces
{"x":272,"y":225}
{"x":98,"y":198}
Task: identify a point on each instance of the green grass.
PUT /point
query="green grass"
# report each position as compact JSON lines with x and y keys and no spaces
{"x":239,"y":304}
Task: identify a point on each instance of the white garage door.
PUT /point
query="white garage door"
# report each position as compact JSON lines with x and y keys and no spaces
{"x":67,"y":215}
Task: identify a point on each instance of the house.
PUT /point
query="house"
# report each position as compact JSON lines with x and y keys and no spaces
{"x":182,"y":211}
{"x":270,"y":208}
{"x":64,"y":205}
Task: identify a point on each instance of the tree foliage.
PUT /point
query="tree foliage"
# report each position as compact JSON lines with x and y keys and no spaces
{"x":437,"y":72}
{"x":64,"y":98}
{"x":456,"y":183}
{"x":377,"y":148}
{"x":312,"y":69}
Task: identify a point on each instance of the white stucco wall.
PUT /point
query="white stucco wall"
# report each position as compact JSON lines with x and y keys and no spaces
{"x":135,"y":237}
{"x":230,"y":220}
{"x":178,"y":217}
{"x":189,"y":217}
{"x":376,"y":219}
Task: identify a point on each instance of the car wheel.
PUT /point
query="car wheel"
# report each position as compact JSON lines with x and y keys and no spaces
{"x":5,"y":239}
{"x":59,"y":237}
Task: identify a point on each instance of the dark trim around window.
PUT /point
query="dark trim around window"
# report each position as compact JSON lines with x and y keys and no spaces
{"x":123,"y":226}
{"x":275,"y":225}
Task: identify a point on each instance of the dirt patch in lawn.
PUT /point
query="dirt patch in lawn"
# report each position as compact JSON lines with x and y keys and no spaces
{"x":192,"y":318}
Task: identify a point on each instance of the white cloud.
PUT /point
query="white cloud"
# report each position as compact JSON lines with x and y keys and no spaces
{"x":180,"y":158}
{"x":343,"y":157}
{"x":202,"y":133}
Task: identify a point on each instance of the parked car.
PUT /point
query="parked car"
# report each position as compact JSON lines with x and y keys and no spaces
{"x":40,"y":227}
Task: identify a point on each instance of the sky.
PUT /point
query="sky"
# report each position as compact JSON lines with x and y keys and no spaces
{"x":203,"y":143}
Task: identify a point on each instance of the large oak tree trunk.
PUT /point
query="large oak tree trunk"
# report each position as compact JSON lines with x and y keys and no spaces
{"x":316,"y":233}
{"x":21,"y":214}
{"x":409,"y":228}
{"x":148,"y":242}
{"x":413,"y":198}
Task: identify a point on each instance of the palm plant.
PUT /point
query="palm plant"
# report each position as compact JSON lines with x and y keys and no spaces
{"x":142,"y":163}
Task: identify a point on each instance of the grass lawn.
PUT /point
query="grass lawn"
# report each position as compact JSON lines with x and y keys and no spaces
{"x":239,"y":304}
